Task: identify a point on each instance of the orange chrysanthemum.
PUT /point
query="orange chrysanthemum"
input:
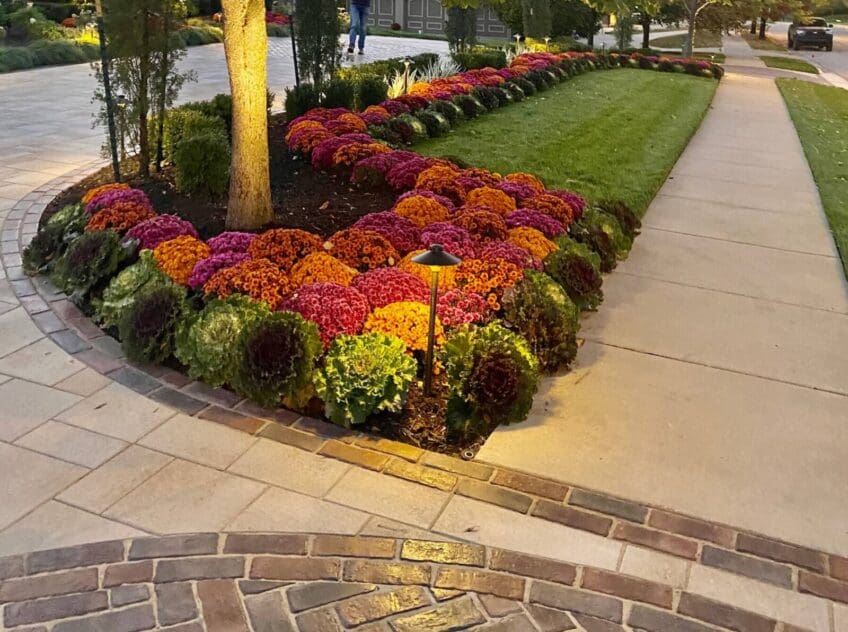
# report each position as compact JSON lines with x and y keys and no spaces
{"x":284,"y":246}
{"x":259,"y":279}
{"x":489,"y":178}
{"x":422,"y":211}
{"x":527,"y":179}
{"x":177,"y":257}
{"x":488,"y":277}
{"x":304,"y":125}
{"x":92,"y":193}
{"x":121,"y":216}
{"x":532,"y":240}
{"x":482,"y":224}
{"x":552,"y":205}
{"x":447,"y":276}
{"x":407,"y":320}
{"x":308,"y":140}
{"x":354,"y":121}
{"x":441,"y":179}
{"x":320,"y":267}
{"x":348,"y":155}
{"x":493,"y":199}
{"x":362,"y":249}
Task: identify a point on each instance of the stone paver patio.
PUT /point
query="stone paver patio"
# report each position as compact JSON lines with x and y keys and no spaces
{"x":93,"y":450}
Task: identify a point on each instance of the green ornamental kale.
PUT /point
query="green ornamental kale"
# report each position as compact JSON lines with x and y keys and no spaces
{"x":207,"y":342}
{"x":90,"y":259}
{"x":594,"y":217}
{"x":363,"y":375}
{"x":627,"y":218}
{"x":123,"y":289}
{"x":275,"y":358}
{"x":542,"y":312}
{"x":577,"y":269}
{"x":148,"y":326}
{"x":492,"y":376}
{"x":52,"y":239}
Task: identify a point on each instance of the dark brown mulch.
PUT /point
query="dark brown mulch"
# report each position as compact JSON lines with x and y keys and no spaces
{"x":320,"y":202}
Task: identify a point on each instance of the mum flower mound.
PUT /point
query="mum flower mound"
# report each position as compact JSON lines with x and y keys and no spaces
{"x":408,"y":321}
{"x":334,"y":308}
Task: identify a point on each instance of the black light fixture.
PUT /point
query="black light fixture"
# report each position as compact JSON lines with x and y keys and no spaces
{"x":435,"y":258}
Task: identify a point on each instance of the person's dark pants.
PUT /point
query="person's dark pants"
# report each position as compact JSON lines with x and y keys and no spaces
{"x":358,"y":16}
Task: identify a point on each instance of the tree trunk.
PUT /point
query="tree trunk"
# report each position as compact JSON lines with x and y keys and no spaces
{"x":143,"y":96}
{"x":646,"y":30}
{"x":690,"y":37}
{"x":590,"y":39}
{"x":245,"y":46}
{"x":163,"y":85}
{"x":754,"y":26}
{"x":762,"y":27}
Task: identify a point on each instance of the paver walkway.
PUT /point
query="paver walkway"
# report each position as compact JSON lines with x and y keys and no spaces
{"x":714,"y":378}
{"x":85,"y":459}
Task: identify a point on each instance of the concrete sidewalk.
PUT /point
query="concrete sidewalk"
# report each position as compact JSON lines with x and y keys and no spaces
{"x":713,"y":380}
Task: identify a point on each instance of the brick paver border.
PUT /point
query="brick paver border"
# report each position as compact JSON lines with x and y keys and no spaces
{"x":239,"y":582}
{"x":715,"y":545}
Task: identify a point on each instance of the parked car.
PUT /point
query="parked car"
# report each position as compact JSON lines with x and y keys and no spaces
{"x":811,"y":32}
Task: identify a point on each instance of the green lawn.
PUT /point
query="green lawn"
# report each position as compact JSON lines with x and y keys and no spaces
{"x":789,"y":63}
{"x":703,"y":39}
{"x":820,"y":114}
{"x":615,"y":133}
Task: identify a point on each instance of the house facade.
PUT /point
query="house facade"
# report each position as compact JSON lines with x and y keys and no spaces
{"x":428,"y":16}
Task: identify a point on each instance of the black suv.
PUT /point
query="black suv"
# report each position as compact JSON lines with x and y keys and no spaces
{"x":811,"y":32}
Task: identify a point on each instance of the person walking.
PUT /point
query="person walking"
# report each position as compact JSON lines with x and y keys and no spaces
{"x":358,"y":16}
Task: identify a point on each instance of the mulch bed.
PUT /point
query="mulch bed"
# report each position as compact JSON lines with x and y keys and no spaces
{"x":319,"y":202}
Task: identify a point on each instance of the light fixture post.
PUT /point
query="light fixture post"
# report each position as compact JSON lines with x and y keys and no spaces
{"x":435,"y":258}
{"x":431,"y":331}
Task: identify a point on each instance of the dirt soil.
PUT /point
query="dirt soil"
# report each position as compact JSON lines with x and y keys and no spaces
{"x":320,"y":202}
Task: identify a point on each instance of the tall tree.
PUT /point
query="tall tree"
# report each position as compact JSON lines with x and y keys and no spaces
{"x":246,"y":47}
{"x":692,"y":9}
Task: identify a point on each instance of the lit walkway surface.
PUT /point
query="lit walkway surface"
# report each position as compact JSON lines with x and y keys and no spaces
{"x":715,"y":379}
{"x":712,"y":386}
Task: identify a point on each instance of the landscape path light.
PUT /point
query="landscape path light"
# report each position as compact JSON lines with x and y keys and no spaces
{"x":435,"y":258}
{"x":407,"y":62}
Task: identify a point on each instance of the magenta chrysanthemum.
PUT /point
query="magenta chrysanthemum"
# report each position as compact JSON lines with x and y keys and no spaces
{"x":114,"y":196}
{"x":205,"y":268}
{"x":401,"y":233}
{"x":383,"y":286}
{"x":153,"y":232}
{"x":510,"y":252}
{"x":455,"y":240}
{"x":336,"y":309}
{"x":231,"y":241}
{"x":542,"y":222}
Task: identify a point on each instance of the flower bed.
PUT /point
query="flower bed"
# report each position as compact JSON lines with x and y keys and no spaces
{"x":337,"y":322}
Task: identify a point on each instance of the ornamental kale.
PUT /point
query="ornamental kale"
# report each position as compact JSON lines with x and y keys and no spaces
{"x":123,"y":289}
{"x":596,"y":218}
{"x":363,"y":375}
{"x":275,"y":357}
{"x":92,"y":258}
{"x":206,"y":343}
{"x":43,"y":251}
{"x":542,"y":312}
{"x":492,"y":376}
{"x":148,"y":327}
{"x":578,"y":271}
{"x":627,"y":219}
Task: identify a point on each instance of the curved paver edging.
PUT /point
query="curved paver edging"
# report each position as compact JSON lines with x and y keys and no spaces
{"x":719,"y":546}
{"x":324,"y":583}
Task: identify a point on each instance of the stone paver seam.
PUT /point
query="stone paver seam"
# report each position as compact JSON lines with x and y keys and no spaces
{"x":741,"y":243}
{"x":718,"y":367}
{"x":349,"y":439}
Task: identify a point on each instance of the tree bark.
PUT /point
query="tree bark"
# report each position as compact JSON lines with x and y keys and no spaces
{"x":762,"y":27}
{"x":646,"y":30}
{"x":690,"y":36}
{"x":245,"y":46}
{"x":754,"y":25}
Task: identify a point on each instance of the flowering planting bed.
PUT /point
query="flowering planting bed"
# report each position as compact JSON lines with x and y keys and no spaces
{"x":334,"y":320}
